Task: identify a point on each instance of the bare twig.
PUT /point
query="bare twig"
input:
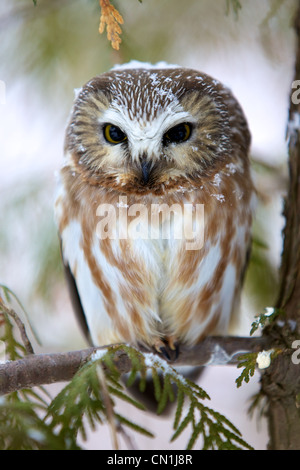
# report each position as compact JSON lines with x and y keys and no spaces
{"x":21,"y":327}
{"x":130,"y":444}
{"x":11,"y":313}
{"x":108,"y":407}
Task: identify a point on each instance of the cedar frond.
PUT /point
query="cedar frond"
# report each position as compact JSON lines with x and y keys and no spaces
{"x":111,"y":18}
{"x":235,"y":5}
{"x":270,"y":314}
{"x":248,"y":362}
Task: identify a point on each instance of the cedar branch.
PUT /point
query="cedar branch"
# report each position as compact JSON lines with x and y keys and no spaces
{"x":42,"y":369}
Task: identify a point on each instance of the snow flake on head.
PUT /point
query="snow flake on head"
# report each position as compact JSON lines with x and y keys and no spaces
{"x":136,"y":64}
{"x":217,"y":180}
{"x":144,"y":92}
{"x":219,"y":197}
{"x":231,"y":168}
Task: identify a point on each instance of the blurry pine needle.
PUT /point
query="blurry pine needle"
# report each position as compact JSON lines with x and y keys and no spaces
{"x":41,"y":241}
{"x":235,"y":5}
{"x":262,"y":276}
{"x":5,"y":307}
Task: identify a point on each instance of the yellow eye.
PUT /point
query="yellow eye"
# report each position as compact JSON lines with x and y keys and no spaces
{"x":113,"y":134}
{"x":177,"y":134}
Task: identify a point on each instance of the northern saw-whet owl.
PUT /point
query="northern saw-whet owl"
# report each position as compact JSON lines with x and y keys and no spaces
{"x":158,"y":141}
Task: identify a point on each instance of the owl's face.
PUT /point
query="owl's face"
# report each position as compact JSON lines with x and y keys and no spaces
{"x":149,"y":130}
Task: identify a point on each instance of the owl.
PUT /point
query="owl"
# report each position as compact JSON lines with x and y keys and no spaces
{"x":154,"y":207}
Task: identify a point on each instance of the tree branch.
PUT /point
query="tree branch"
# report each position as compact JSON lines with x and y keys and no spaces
{"x":41,"y":369}
{"x":289,"y":295}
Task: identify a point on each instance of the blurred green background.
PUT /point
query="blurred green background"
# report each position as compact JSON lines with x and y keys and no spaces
{"x":48,"y":50}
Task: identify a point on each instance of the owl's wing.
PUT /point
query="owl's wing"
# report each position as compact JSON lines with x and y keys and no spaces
{"x":247,"y":261}
{"x":75,"y":298}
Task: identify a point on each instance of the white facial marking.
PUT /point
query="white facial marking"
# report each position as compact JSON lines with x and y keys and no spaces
{"x":145,"y":135}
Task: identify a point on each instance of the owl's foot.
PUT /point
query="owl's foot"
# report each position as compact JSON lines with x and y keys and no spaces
{"x":168,"y":347}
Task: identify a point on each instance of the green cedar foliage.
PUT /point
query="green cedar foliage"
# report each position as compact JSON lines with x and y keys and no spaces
{"x":248,"y":361}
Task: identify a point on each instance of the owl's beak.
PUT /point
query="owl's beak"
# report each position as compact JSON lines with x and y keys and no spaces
{"x":146,"y":168}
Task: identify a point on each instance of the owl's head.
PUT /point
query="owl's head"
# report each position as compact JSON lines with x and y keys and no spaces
{"x":149,"y":129}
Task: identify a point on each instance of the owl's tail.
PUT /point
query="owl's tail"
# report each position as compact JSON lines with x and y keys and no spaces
{"x":147,"y":397}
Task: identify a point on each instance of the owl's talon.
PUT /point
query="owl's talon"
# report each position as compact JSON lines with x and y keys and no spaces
{"x":164,"y":351}
{"x":168,"y":348}
{"x":173,"y":344}
{"x":161,"y":348}
{"x":176,"y":351}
